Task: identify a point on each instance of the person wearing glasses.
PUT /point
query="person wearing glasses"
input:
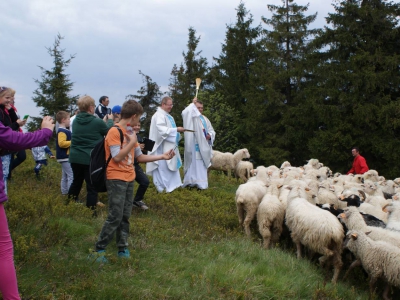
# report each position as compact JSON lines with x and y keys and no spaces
{"x":166,"y":134}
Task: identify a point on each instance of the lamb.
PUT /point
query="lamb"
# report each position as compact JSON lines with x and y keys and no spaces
{"x":243,"y":169}
{"x":285,"y":164}
{"x":393,"y":222}
{"x":249,"y":196}
{"x":270,"y":215}
{"x":316,"y":229}
{"x":227,"y":161}
{"x":313,"y":163}
{"x":372,"y":189}
{"x":354,"y":221}
{"x":379,"y":259}
{"x":371,"y":175}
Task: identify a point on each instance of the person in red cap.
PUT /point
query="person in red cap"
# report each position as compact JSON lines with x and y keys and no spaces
{"x":359,"y":164}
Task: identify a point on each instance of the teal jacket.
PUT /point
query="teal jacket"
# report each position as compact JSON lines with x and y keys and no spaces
{"x":87,"y":131}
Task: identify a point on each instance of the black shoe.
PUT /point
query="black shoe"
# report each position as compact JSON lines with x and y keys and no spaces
{"x":140,"y":204}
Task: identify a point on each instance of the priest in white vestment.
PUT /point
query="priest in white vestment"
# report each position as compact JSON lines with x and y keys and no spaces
{"x":166,"y":135}
{"x":198,"y":145}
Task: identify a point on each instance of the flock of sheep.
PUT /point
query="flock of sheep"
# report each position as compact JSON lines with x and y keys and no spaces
{"x":324,"y":212}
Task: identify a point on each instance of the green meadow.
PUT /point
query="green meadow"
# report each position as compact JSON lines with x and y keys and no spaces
{"x":188,"y":245}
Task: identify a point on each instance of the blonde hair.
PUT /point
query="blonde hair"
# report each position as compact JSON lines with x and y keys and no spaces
{"x":61,"y":115}
{"x":5,"y":91}
{"x":12,"y":91}
{"x":85,"y":102}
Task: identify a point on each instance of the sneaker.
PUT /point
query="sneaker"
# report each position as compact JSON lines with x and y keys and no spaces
{"x":99,"y":256}
{"x":124,"y":254}
{"x":140,"y":204}
{"x":100,"y":204}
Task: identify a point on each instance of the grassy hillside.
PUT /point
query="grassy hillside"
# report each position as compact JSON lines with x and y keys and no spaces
{"x":188,"y":245}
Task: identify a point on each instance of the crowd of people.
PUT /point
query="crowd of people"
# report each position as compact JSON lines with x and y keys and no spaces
{"x":77,"y":135}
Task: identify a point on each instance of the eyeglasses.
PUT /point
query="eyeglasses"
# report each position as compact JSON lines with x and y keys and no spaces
{"x":3,"y":88}
{"x":168,"y":105}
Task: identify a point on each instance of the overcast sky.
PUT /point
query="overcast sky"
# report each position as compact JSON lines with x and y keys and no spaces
{"x":114,"y":39}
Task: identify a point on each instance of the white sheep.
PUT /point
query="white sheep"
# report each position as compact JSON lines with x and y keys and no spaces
{"x":371,"y":175}
{"x":248,"y":197}
{"x":270,"y":215}
{"x":314,"y":228}
{"x":379,"y":259}
{"x":354,"y":221}
{"x":243,"y":169}
{"x":393,"y":210}
{"x":227,"y":161}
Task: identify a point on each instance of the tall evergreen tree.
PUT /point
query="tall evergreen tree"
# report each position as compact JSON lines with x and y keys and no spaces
{"x":275,"y":111}
{"x":239,"y":52}
{"x":356,"y":88}
{"x":54,"y":87}
{"x":182,"y":88}
{"x":149,"y":97}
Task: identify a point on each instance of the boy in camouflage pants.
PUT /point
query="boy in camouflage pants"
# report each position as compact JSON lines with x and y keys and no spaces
{"x":120,"y":178}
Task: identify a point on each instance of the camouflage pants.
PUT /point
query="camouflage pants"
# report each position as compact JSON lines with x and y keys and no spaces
{"x":120,"y":197}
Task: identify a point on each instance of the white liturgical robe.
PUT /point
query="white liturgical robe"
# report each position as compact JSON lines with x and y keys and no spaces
{"x":164,"y":132}
{"x":198,"y":150}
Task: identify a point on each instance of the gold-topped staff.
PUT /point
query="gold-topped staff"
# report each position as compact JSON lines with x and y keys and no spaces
{"x":198,"y":81}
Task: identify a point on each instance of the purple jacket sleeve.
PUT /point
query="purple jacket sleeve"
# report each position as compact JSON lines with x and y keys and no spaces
{"x":14,"y":141}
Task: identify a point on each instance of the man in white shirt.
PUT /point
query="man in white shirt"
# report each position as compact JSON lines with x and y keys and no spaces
{"x":198,"y":145}
{"x":166,"y":135}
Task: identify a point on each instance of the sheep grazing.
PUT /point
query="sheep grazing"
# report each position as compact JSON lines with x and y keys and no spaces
{"x":354,"y":221}
{"x":227,"y":161}
{"x":379,"y":259}
{"x":243,"y":170}
{"x":314,"y":228}
{"x":270,"y":215}
{"x":249,"y":196}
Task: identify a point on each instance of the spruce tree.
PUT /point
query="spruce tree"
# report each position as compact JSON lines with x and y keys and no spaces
{"x":54,"y":87}
{"x":276,"y":118}
{"x":239,"y":52}
{"x":356,"y":87}
{"x":182,"y":88}
{"x":149,"y":97}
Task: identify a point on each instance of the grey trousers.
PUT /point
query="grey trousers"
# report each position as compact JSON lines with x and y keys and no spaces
{"x":120,"y":197}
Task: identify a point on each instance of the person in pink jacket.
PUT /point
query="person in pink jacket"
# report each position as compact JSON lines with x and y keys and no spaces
{"x":14,"y":141}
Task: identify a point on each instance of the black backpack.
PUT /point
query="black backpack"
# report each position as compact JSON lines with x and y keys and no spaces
{"x":98,"y":164}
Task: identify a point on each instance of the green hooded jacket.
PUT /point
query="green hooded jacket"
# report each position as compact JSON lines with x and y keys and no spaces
{"x":87,"y":131}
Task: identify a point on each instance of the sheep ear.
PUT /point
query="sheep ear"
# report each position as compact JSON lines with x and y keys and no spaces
{"x":341,"y":197}
{"x":280,"y":185}
{"x":307,"y":189}
{"x":385,"y":208}
{"x":342,"y":216}
{"x":363,"y":196}
{"x":354,"y":236}
{"x":367,"y":233}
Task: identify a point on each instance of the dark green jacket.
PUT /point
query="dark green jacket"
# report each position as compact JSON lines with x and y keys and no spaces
{"x":87,"y":131}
